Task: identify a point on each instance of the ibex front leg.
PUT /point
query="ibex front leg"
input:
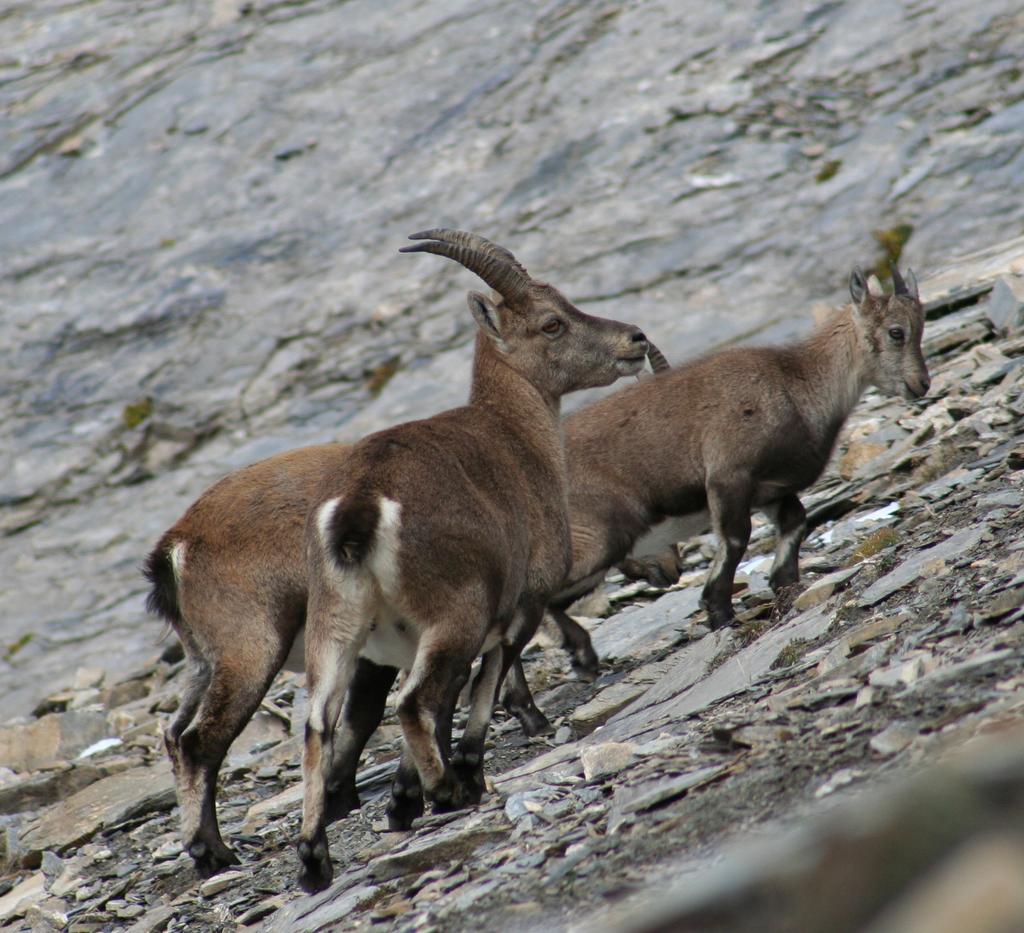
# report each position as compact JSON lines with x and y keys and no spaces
{"x":363,"y":711}
{"x":406,"y":801}
{"x":469,"y":756}
{"x":790,"y":522}
{"x":425,"y":704}
{"x":518,"y":700}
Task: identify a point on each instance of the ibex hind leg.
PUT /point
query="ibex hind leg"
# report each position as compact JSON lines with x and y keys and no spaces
{"x":363,"y":711}
{"x":790,"y":521}
{"x":729,"y":506}
{"x":197,"y":679}
{"x":232,"y":695}
{"x":329,"y":668}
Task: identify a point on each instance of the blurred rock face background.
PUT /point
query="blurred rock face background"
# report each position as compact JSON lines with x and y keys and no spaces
{"x":201,"y":205}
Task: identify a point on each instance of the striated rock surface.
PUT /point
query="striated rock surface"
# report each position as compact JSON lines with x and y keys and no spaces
{"x":202,"y":205}
{"x":705,"y":781}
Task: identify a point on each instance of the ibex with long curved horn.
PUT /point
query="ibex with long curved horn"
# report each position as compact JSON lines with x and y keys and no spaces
{"x":442,"y":540}
{"x":477,"y":544}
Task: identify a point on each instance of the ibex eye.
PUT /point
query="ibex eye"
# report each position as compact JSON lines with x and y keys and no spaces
{"x":552,"y":327}
{"x":896,"y":333}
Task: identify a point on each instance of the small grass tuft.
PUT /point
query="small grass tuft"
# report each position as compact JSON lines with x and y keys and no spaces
{"x":791,"y":654}
{"x":874,"y":544}
{"x":137,"y":412}
{"x":381,"y":375}
{"x":828,"y":170}
{"x":751,"y":631}
{"x":15,"y":646}
{"x":891,"y":240}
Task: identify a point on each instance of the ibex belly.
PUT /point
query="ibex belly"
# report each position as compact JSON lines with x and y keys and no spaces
{"x":392,"y":642}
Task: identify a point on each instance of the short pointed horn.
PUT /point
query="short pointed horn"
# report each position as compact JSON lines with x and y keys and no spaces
{"x":656,"y":358}
{"x":912,"y":285}
{"x":899,"y":287}
{"x":494,"y":264}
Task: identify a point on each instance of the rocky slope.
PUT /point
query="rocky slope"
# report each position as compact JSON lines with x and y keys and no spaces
{"x":682,"y":790}
{"x":202,"y":203}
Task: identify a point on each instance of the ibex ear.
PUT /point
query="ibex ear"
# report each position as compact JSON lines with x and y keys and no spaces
{"x":487,"y":316}
{"x":858,"y":285}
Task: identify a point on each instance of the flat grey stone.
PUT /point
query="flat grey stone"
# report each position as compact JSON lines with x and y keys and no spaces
{"x":823,"y":588}
{"x":606,"y":758}
{"x":917,"y":564}
{"x":50,"y":739}
{"x":669,"y":702}
{"x":893,"y":738}
{"x":437,"y":846}
{"x":1005,"y":308}
{"x":106,"y":803}
{"x":639,"y":632}
{"x":636,"y":797}
{"x":324,"y":910}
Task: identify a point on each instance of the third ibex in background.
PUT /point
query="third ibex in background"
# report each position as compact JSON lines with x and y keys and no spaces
{"x":737,"y":429}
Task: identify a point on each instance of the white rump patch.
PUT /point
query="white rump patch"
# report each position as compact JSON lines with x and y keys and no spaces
{"x":383,"y":560}
{"x":324,"y":514}
{"x":177,"y":556}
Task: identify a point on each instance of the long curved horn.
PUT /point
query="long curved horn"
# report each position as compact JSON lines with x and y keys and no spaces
{"x":656,"y":358}
{"x":494,"y":264}
{"x":473,"y":240}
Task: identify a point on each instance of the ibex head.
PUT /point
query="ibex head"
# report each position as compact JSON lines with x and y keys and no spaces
{"x":538,"y":331}
{"x":891,"y":327}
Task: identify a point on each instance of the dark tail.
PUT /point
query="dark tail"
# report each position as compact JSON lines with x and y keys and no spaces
{"x":352,"y":529}
{"x":163,"y":597}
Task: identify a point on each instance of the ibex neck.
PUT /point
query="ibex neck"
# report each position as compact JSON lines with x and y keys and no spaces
{"x":834,"y":371}
{"x":497,"y":383}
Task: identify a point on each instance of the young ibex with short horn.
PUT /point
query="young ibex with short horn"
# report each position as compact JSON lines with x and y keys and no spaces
{"x":737,"y":429}
{"x":457,"y":478}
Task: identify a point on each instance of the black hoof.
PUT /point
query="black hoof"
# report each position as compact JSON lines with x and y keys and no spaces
{"x":469,"y":772}
{"x":534,"y":722}
{"x":211,"y":856}
{"x":340,"y":802}
{"x":316,"y":871}
{"x":405,"y":805}
{"x":719,"y":617}
{"x":585,"y":665}
{"x":448,"y":795}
